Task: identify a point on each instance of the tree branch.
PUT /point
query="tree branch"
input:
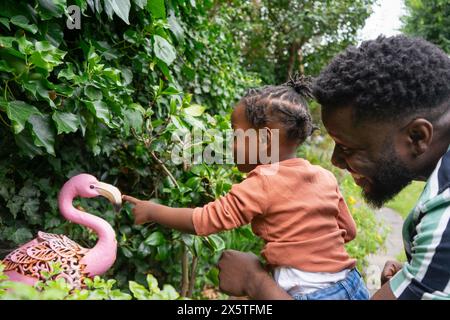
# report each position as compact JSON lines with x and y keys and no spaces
{"x":193,"y":276}
{"x":184,"y":271}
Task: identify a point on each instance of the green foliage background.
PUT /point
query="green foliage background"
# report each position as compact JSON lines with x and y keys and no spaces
{"x":429,"y":19}
{"x":106,"y":100}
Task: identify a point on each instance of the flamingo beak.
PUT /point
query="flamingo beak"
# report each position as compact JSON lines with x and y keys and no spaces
{"x":111,"y":193}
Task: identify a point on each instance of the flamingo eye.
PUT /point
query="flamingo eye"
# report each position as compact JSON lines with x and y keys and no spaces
{"x":91,"y":186}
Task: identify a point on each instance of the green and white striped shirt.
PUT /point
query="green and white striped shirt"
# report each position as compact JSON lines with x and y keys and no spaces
{"x":426,"y":236}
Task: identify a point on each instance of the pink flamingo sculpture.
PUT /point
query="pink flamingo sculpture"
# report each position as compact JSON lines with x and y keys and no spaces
{"x":25,"y":263}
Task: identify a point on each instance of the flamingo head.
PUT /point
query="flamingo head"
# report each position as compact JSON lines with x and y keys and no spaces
{"x":87,"y":186}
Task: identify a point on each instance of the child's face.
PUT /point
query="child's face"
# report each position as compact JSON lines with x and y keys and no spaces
{"x":245,"y":148}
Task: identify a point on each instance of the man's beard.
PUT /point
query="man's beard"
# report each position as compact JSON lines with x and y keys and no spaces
{"x":391,"y":177}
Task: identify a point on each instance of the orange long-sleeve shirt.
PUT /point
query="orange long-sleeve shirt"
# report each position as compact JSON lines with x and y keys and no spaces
{"x":299,"y":212}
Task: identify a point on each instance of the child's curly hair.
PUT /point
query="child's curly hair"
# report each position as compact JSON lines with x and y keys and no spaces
{"x":285,"y":104}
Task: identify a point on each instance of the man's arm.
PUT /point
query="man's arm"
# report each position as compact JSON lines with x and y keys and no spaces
{"x":241,"y":274}
{"x":385,"y":293}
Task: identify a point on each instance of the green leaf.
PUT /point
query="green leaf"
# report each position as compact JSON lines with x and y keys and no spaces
{"x":23,"y":22}
{"x":188,"y":239}
{"x":117,"y":295}
{"x":120,"y":7}
{"x":170,"y":91}
{"x":126,"y":252}
{"x":198,"y":246}
{"x":157,"y":8}
{"x":93,"y":93}
{"x":134,"y":119}
{"x":177,"y":122}
{"x":175,"y":27}
{"x":66,"y":122}
{"x":21,"y":235}
{"x":170,"y":292}
{"x":5,"y":22}
{"x":155,"y":239}
{"x":194,"y":110}
{"x":162,"y":252}
{"x":15,"y":205}
{"x":54,"y":33}
{"x":19,"y":112}
{"x":67,"y":73}
{"x":7,"y":42}
{"x":31,"y":207}
{"x":144,"y":250}
{"x":139,"y":291}
{"x":141,"y":3}
{"x":213,"y":276}
{"x":152,"y":283}
{"x":99,"y":109}
{"x":215,"y":242}
{"x":38,"y":87}
{"x":25,"y":143}
{"x":164,"y":50}
{"x":52,"y":8}
{"x":25,"y":46}
{"x":4,"y":67}
{"x":46,"y":59}
{"x":43,"y":134}
{"x":195,"y":123}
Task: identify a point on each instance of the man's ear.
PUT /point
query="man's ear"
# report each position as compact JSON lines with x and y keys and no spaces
{"x":419,"y":134}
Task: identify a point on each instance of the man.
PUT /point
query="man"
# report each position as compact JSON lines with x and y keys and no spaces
{"x":386,"y":104}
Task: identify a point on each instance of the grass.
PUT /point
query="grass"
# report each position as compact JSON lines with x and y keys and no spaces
{"x":405,"y":201}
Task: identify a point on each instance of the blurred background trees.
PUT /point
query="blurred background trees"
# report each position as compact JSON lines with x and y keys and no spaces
{"x":281,"y":37}
{"x":429,"y":19}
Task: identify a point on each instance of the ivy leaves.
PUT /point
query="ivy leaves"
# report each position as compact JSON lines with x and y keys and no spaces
{"x":43,"y":135}
{"x":164,"y":50}
{"x":157,"y":9}
{"x":19,"y":112}
{"x":24,"y":23}
{"x":78,"y":101}
{"x":120,"y":7}
{"x":66,"y":122}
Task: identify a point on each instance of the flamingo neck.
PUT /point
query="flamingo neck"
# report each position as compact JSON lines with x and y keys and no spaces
{"x":106,"y":245}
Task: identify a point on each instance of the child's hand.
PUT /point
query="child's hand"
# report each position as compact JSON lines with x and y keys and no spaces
{"x":141,"y":211}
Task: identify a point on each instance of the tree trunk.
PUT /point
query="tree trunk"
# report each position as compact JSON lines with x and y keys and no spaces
{"x":292,"y":58}
{"x":184,"y":272}
{"x":295,"y":55}
{"x":193,"y":275}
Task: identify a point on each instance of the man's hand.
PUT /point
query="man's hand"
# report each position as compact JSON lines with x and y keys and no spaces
{"x":234,"y":267}
{"x":141,"y":210}
{"x":241,"y":274}
{"x":390,"y":269}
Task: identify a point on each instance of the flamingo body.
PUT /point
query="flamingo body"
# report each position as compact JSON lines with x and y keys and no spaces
{"x":26,"y":263}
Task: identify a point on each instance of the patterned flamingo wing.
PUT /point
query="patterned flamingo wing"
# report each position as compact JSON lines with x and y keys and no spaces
{"x":62,"y":245}
{"x":37,"y":255}
{"x":20,"y":256}
{"x":44,"y":236}
{"x":74,"y":246}
{"x":42,"y":252}
{"x":9,"y":265}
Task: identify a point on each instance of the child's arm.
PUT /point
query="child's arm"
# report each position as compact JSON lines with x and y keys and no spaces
{"x":175,"y":218}
{"x":345,"y":219}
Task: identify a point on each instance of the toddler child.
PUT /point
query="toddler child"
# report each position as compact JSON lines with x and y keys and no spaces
{"x":295,"y":207}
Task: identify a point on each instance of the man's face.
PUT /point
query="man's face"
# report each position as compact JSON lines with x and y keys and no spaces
{"x":369,"y":152}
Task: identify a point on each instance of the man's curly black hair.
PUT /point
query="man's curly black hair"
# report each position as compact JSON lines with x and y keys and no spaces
{"x":387,"y":78}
